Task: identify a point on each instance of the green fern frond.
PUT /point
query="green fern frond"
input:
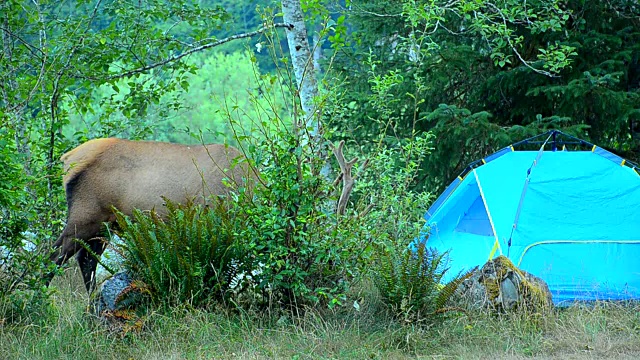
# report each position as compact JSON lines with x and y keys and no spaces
{"x":449,"y":289}
{"x":409,"y":281}
{"x":174,"y":253}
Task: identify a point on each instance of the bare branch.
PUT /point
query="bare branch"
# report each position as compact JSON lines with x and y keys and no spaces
{"x":379,"y":15}
{"x":189,"y":52}
{"x":32,"y":49}
{"x":347,"y":179}
{"x":337,"y":180}
{"x":366,"y":210}
{"x":451,"y":31}
{"x":513,"y":47}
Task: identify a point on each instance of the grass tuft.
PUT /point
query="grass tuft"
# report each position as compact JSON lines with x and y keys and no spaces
{"x":603,"y":330}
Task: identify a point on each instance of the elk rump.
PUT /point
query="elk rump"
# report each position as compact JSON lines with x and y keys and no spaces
{"x":105,"y":173}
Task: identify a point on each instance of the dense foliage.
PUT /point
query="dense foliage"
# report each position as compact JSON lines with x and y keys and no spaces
{"x":22,"y":259}
{"x":479,"y":88}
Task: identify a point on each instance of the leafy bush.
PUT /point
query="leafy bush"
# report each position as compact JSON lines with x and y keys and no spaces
{"x":23,"y":254}
{"x":186,"y":258}
{"x":284,"y":244}
{"x":287,"y":244}
{"x":306,"y":254}
{"x":298,"y":250}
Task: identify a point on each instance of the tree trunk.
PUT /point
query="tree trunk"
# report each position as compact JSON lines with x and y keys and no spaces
{"x":302,"y":63}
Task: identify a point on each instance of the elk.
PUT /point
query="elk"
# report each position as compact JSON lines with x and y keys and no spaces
{"x":108,"y":173}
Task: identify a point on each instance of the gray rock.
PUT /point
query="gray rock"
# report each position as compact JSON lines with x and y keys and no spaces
{"x":508,"y":292}
{"x":117,"y":303}
{"x":117,"y":293}
{"x":111,"y":258}
{"x":113,"y":287}
{"x":500,"y":285}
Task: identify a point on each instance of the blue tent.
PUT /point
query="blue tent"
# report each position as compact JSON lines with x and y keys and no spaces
{"x":571,"y":217}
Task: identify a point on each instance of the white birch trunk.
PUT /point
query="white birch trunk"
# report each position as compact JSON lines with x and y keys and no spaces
{"x":302,"y":63}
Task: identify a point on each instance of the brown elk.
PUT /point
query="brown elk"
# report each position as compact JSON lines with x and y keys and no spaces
{"x":103,"y":174}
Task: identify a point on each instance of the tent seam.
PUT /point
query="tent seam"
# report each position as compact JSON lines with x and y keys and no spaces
{"x":486,"y":208}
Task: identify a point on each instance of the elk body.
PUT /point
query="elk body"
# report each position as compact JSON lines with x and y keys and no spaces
{"x":105,"y":173}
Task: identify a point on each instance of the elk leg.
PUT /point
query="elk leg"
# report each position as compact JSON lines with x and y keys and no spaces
{"x":68,"y":244}
{"x":88,"y":261}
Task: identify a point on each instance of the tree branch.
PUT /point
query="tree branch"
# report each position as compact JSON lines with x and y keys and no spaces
{"x":513,"y":47}
{"x":347,"y":179}
{"x":32,"y":49}
{"x":187,"y":53}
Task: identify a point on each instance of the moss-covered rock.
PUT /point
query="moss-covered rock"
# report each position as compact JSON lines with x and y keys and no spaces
{"x":500,"y":285}
{"x":117,"y":301}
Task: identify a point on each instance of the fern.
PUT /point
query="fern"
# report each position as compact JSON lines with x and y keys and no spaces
{"x":180,"y":255}
{"x":449,"y":289}
{"x":409,"y":282}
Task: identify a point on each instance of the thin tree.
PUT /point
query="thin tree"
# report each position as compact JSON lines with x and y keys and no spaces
{"x":303,"y":66}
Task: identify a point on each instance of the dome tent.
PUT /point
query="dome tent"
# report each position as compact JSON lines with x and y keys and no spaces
{"x":568,"y":213}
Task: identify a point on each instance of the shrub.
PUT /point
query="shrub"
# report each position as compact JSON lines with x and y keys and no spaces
{"x":23,"y":245}
{"x":306,"y":254}
{"x":407,"y":274}
{"x":298,"y":250}
{"x":284,"y":245}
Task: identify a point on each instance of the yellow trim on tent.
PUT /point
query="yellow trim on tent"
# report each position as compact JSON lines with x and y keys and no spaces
{"x":564,"y":147}
{"x":486,"y":208}
{"x":574,"y":242}
{"x":483,"y":162}
{"x":623,"y":162}
{"x":496,"y":246}
{"x":636,"y":170}
{"x":594,"y":148}
{"x":460,"y":177}
{"x":512,"y":149}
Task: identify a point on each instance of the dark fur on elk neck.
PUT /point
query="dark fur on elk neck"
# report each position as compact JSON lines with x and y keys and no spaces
{"x":72,"y":185}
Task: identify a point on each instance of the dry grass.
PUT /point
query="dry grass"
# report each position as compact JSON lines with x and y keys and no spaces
{"x":602,"y":331}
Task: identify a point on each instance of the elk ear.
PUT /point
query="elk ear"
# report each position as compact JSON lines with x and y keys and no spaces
{"x":348,"y":180}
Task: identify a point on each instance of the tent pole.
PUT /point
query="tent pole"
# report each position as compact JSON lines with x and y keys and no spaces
{"x":496,"y":244}
{"x":524,"y":189}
